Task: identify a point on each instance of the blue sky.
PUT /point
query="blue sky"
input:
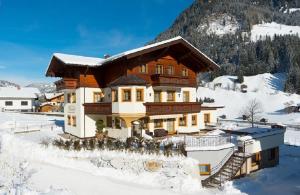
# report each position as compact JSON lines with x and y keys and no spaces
{"x":31,"y":30}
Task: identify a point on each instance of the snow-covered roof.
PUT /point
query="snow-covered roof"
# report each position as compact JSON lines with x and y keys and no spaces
{"x":74,"y":59}
{"x":52,"y":95}
{"x":23,"y":92}
{"x":212,"y":105}
{"x":93,"y":61}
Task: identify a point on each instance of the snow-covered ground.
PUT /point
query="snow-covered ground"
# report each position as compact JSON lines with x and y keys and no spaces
{"x":27,"y":166}
{"x":266,"y":88}
{"x":261,"y":31}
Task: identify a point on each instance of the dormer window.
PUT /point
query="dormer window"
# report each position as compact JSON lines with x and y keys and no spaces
{"x":143,"y":68}
{"x":159,"y":69}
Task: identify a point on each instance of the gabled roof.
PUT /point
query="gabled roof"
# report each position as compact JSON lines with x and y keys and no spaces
{"x":49,"y":96}
{"x":75,"y":60}
{"x":23,"y":92}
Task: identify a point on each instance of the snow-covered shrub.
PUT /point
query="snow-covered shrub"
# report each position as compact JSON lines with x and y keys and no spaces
{"x":92,"y":144}
{"x":168,"y":149}
{"x":208,"y":100}
{"x":99,"y":126}
{"x":100,"y":144}
{"x":67,"y":144}
{"x":45,"y":142}
{"x":85,"y":144}
{"x":77,"y":145}
{"x":59,"y":143}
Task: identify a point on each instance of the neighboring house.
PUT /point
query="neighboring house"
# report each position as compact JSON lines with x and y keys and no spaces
{"x":20,"y":99}
{"x":54,"y":102}
{"x":145,"y":89}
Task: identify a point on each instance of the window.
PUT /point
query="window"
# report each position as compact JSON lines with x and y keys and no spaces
{"x":114,"y":95}
{"x":98,"y":97}
{"x":204,"y":169}
{"x":69,"y":120}
{"x":73,"y":98}
{"x":185,"y":72}
{"x":186,"y":96}
{"x":182,"y":121}
{"x":194,"y":120}
{"x":118,"y":123}
{"x":157,"y":96}
{"x":143,"y":68}
{"x":272,"y":154}
{"x":170,"y":96}
{"x":207,"y":118}
{"x":170,"y":70}
{"x":158,"y":123}
{"x":74,"y":121}
{"x":159,"y":69}
{"x":126,"y":95}
{"x":68,"y":98}
{"x":109,"y":121}
{"x":8,"y":103}
{"x":24,"y":103}
{"x":139,"y":95}
{"x":255,"y":159}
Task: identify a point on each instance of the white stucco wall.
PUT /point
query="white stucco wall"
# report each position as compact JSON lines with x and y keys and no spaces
{"x":212,"y":157}
{"x":265,"y":142}
{"x":16,"y":104}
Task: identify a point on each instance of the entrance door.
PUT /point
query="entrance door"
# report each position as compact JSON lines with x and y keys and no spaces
{"x":170,"y":125}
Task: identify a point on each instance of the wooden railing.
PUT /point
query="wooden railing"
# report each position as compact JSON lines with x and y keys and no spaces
{"x":163,"y":108}
{"x":159,"y":79}
{"x":66,"y":83}
{"x":98,"y":108}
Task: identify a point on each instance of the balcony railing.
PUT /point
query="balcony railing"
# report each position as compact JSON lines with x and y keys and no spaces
{"x":66,"y":83}
{"x":104,"y":108}
{"x":159,"y":79}
{"x":206,"y":141}
{"x":163,"y":108}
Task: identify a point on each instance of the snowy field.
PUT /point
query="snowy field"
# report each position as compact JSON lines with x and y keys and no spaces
{"x":261,"y":31}
{"x":29,"y":167}
{"x":266,"y":88}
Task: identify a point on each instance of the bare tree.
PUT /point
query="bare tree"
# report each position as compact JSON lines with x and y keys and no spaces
{"x":252,"y":111}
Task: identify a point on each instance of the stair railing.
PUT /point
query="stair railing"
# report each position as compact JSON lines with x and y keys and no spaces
{"x":216,"y":168}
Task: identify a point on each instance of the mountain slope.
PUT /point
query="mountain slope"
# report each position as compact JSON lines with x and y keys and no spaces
{"x":8,"y":84}
{"x":244,"y":42}
{"x":44,"y":87}
{"x":265,"y":88}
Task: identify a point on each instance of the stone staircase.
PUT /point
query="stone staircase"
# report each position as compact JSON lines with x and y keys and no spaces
{"x":227,"y":172}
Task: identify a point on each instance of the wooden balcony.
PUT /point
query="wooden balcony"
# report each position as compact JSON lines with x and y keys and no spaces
{"x":104,"y":108}
{"x":66,"y":83}
{"x":166,"y":80}
{"x":164,"y":108}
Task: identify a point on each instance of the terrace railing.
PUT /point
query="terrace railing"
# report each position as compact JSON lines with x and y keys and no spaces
{"x":206,"y":141}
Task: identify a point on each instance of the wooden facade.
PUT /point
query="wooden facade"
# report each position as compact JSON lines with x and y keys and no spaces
{"x":165,"y":108}
{"x":175,"y":57}
{"x":98,"y":108}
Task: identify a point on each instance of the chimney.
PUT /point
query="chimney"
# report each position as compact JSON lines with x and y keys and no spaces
{"x":106,"y":56}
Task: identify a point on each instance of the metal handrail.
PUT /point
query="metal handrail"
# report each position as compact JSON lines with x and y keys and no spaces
{"x":222,"y":163}
{"x":206,"y":141}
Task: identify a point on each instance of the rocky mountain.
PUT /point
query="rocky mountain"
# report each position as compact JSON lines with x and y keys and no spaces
{"x":44,"y":87}
{"x":8,"y":84}
{"x":246,"y":37}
